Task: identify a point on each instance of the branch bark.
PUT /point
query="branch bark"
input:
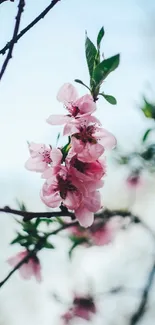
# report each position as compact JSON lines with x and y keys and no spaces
{"x":16,"y":29}
{"x":144,"y":299}
{"x":27,"y":28}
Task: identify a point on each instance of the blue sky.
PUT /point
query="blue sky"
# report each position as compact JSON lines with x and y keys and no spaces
{"x":53,"y":53}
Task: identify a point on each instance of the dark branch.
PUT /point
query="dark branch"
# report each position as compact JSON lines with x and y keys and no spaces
{"x":15,"y":33}
{"x":32,"y":24}
{"x":105,"y":215}
{"x":31,"y":215}
{"x":144,"y":299}
{"x":1,"y":1}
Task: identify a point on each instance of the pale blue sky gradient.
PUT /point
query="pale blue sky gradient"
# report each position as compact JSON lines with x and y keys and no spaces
{"x":53,"y":53}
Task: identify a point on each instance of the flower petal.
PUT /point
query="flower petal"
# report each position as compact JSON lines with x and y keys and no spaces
{"x":67,"y":94}
{"x":84,"y":216}
{"x":35,"y":164}
{"x":56,"y":156}
{"x":57,"y":119}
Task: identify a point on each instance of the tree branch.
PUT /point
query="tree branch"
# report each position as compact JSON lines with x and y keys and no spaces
{"x":15,"y":33}
{"x":27,"y":28}
{"x":1,"y":1}
{"x":144,"y":299}
{"x":31,"y":215}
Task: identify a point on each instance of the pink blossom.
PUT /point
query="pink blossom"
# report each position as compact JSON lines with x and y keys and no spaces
{"x":134,"y":181}
{"x":89,"y":205}
{"x":89,"y":141}
{"x":104,"y":234}
{"x":86,"y":171}
{"x":28,"y":269}
{"x":77,"y":107}
{"x":83,"y":307}
{"x":42,"y":157}
{"x":62,"y":188}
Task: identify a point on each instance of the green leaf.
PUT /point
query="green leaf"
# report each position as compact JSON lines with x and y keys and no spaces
{"x":66,"y":148}
{"x":104,"y":68}
{"x":149,"y":153}
{"x":21,"y":205}
{"x":148,"y":109}
{"x":16,"y":240}
{"x":110,"y":99}
{"x":99,"y":37}
{"x":81,"y":82}
{"x":146,"y":135}
{"x":49,"y":245}
{"x":20,"y":238}
{"x":91,"y":53}
{"x":37,"y":222}
{"x":79,"y":241}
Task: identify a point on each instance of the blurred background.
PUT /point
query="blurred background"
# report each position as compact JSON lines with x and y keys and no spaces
{"x":49,"y":55}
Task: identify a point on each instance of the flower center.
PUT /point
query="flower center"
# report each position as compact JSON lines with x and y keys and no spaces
{"x":75,"y":111}
{"x":46,"y":157}
{"x":65,"y":185}
{"x":80,"y":165}
{"x":86,"y":134}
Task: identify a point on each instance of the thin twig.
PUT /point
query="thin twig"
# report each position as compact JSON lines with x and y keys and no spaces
{"x":15,"y":33}
{"x":144,"y":299}
{"x":32,"y":24}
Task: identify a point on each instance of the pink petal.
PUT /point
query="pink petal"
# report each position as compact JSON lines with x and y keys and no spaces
{"x":73,"y":200}
{"x":37,"y":271}
{"x":93,"y":202}
{"x":35,"y":164}
{"x":77,"y":146}
{"x":86,"y":105}
{"x":57,"y":119}
{"x":13,"y":261}
{"x":92,"y":186}
{"x":52,"y":200}
{"x":91,"y":152}
{"x":84,"y":216}
{"x":26,"y":271}
{"x":105,"y":138}
{"x":67,"y":94}
{"x":56,"y":156}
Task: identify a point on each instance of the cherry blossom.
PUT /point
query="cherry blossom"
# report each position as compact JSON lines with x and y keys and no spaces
{"x":42,"y":157}
{"x":83,"y":307}
{"x":63,"y":188}
{"x":28,"y":269}
{"x":86,"y":171}
{"x":88,"y":140}
{"x":77,"y":107}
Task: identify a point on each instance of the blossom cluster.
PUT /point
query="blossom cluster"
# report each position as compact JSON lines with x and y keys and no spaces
{"x":73,"y":177}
